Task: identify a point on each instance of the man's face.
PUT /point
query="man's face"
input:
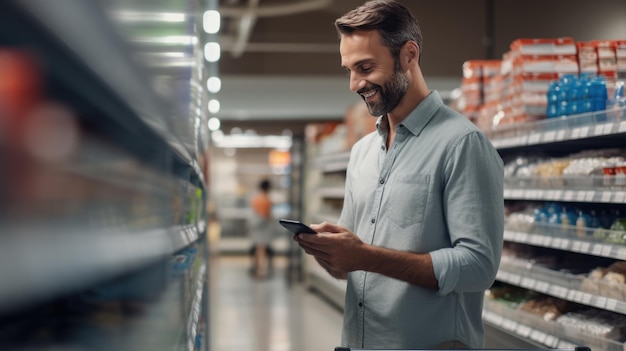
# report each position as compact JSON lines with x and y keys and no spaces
{"x":374,"y":74}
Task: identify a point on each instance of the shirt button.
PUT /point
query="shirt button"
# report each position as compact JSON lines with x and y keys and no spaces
{"x":373,"y":220}
{"x":360,"y":304}
{"x":382,"y":181}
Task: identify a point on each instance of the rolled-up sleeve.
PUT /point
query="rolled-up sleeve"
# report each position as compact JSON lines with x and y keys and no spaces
{"x":347,"y":216}
{"x":474,"y":210}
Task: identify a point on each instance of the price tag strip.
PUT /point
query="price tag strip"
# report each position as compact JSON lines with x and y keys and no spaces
{"x":550,"y":133}
{"x":528,"y":281}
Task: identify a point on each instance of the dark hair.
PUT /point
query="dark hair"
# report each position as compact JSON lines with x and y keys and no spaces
{"x":393,"y":21}
{"x":265,"y":185}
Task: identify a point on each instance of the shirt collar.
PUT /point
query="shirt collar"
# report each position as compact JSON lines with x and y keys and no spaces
{"x":418,"y":118}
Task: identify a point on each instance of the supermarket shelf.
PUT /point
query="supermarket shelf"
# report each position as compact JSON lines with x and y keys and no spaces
{"x":38,"y":265}
{"x":576,"y":127}
{"x":527,"y":327}
{"x":325,"y":217}
{"x":497,"y":338}
{"x":157,"y":299}
{"x":332,"y":192}
{"x":195,"y":310}
{"x":567,"y":243}
{"x":523,"y":331}
{"x":317,"y":279}
{"x":562,"y":285}
{"x":566,"y":195}
{"x":198,"y":175}
{"x":91,"y":68}
{"x":333,"y":162}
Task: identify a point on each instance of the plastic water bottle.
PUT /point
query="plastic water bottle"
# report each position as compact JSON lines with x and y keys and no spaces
{"x":598,"y":94}
{"x":553,"y":99}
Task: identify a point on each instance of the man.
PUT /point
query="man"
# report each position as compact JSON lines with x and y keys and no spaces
{"x":420,"y":234}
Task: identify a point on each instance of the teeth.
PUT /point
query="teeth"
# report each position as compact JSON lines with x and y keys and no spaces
{"x":370,"y":94}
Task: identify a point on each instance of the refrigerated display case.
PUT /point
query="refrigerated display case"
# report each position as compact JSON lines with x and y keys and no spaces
{"x":102,"y":184}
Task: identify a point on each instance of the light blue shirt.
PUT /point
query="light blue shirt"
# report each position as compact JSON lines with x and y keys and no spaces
{"x":438,"y":189}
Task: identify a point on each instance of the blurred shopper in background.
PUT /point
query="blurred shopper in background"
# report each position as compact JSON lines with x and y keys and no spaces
{"x":420,"y":234}
{"x":261,"y":229}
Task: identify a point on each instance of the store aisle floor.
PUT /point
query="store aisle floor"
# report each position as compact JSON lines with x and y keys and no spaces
{"x":266,"y":315}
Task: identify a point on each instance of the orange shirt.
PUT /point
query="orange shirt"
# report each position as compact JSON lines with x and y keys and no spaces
{"x":262,"y":205}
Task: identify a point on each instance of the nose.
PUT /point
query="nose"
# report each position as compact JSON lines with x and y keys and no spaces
{"x":356,"y":82}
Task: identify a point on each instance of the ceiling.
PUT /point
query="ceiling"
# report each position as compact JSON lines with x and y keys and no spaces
{"x":280,"y":61}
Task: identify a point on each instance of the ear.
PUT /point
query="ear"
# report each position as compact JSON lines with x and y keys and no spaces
{"x":410,"y":53}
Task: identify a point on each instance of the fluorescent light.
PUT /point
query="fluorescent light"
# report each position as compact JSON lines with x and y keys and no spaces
{"x":211,"y":21}
{"x":173,"y":54}
{"x":168,"y":40}
{"x":214,"y":84}
{"x":143,"y":16}
{"x":212,"y":52}
{"x":214,"y":106}
{"x":253,"y":141}
{"x":214,"y":124}
{"x":173,"y":64}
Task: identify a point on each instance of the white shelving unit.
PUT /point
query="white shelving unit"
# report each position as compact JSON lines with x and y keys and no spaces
{"x":566,"y":135}
{"x":324,"y":178}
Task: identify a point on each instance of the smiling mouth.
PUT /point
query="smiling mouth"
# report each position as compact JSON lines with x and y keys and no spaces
{"x":369,"y":94}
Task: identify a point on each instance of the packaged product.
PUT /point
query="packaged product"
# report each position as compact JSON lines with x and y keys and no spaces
{"x":620,"y":55}
{"x":587,"y":57}
{"x":607,"y":281}
{"x":607,"y":59}
{"x":547,"y":307}
{"x":597,"y":323}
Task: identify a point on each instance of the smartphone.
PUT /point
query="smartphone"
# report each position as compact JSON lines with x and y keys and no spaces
{"x":296,"y":226}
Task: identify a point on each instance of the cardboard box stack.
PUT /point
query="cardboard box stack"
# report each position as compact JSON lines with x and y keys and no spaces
{"x":620,"y":54}
{"x":472,"y":88}
{"x":482,"y":88}
{"x":515,"y":88}
{"x":535,"y":64}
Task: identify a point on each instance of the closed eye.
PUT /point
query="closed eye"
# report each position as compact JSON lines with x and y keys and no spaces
{"x":365,"y":69}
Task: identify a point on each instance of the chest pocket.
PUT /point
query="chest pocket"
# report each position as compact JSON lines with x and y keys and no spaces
{"x":407,"y":196}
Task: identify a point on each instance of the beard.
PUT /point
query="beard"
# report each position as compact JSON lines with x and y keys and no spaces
{"x":390,"y":93}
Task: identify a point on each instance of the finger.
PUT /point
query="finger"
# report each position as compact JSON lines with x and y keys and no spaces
{"x":320,"y":239}
{"x":314,"y":251}
{"x":326,"y":227}
{"x":310,"y":238}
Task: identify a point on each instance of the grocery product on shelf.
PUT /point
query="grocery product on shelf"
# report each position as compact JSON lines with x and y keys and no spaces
{"x":620,"y":55}
{"x":597,"y":323}
{"x":543,"y":77}
{"x":587,"y":57}
{"x":547,"y":307}
{"x":570,"y":95}
{"x":589,"y":169}
{"x":607,"y":59}
{"x":607,"y":281}
{"x":509,"y":295}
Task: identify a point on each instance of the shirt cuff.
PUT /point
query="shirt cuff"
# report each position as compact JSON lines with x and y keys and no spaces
{"x":446,"y":272}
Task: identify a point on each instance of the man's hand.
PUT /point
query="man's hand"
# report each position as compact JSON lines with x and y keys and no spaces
{"x":335,"y":248}
{"x":340,"y":252}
